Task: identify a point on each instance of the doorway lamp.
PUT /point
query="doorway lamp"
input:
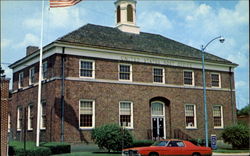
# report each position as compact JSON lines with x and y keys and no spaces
{"x":221,"y":39}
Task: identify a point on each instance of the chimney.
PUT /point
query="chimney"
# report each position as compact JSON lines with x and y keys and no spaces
{"x":31,"y":49}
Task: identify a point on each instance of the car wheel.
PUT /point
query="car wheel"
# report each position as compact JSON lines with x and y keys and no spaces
{"x":153,"y":154}
{"x":196,"y":154}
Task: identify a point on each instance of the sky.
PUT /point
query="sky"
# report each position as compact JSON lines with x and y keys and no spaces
{"x":193,"y":23}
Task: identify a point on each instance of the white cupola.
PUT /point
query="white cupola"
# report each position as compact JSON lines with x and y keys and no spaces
{"x":126,"y":16}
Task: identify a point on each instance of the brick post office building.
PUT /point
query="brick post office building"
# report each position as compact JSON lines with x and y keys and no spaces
{"x":145,"y":82}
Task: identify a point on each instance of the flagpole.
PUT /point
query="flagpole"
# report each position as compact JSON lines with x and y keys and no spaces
{"x":40,"y":82}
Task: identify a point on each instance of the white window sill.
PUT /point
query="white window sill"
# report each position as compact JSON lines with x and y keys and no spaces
{"x":30,"y":129}
{"x":87,"y":77}
{"x":42,"y":128}
{"x":18,"y":130}
{"x":87,"y":128}
{"x":191,"y":128}
{"x":218,"y":128}
{"x":129,"y":128}
{"x":125,"y":80}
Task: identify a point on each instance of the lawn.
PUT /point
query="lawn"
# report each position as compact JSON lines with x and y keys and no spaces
{"x":231,"y":151}
{"x":90,"y":154}
{"x":88,"y":150}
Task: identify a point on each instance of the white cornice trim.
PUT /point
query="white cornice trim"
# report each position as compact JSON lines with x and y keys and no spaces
{"x":126,"y":56}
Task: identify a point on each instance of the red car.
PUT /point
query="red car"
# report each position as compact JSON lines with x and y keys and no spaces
{"x":169,"y":147}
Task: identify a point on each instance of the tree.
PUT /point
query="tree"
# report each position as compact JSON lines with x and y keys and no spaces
{"x":244,"y":111}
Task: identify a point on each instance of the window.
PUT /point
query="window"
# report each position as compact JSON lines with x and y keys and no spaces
{"x":19,"y":118}
{"x":9,"y":124}
{"x":45,"y":70}
{"x":43,"y":116}
{"x":125,"y":72}
{"x":215,"y":77}
{"x":118,"y":14}
{"x":126,"y":114}
{"x":87,"y":68}
{"x":130,"y":13}
{"x":87,"y":115}
{"x":158,"y":74}
{"x":188,"y":78}
{"x":190,"y":114}
{"x":30,"y":117}
{"x":20,"y":82}
{"x":32,"y":76}
{"x":157,"y":109}
{"x":218,"y":116}
{"x":175,"y":144}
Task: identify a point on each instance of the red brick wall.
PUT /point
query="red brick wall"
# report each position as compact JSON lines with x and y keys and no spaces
{"x":108,"y":95}
{"x":4,"y":114}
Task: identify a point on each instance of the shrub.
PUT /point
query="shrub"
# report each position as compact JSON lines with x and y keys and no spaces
{"x":112,"y":137}
{"x":141,"y":143}
{"x":237,"y":135}
{"x":17,"y":148}
{"x":200,"y":142}
{"x":57,"y":147}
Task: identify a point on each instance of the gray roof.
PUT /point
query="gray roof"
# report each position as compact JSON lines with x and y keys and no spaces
{"x":102,"y":36}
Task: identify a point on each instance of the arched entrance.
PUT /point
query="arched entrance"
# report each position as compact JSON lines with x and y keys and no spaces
{"x":159,"y":115}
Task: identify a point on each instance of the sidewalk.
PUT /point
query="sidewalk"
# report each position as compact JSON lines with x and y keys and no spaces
{"x":231,"y":154}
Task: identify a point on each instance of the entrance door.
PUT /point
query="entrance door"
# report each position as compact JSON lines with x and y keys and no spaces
{"x":158,"y":127}
{"x":158,"y":119}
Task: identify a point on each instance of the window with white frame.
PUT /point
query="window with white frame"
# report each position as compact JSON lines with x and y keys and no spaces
{"x":215,"y":78}
{"x":218,"y":116}
{"x":87,"y":114}
{"x":126,"y":114}
{"x":45,"y":70}
{"x":157,"y":109}
{"x":9,"y":123}
{"x":188,"y":77}
{"x":190,"y":115}
{"x":125,"y":72}
{"x":158,"y":74}
{"x":32,"y":75}
{"x":43,"y":115}
{"x":30,"y":116}
{"x":21,"y":80}
{"x":87,"y":68}
{"x":19,"y":118}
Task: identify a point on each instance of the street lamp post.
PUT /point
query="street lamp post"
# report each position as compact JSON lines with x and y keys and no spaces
{"x":221,"y":39}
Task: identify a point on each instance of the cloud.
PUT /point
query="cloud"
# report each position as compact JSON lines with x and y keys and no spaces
{"x":5,"y":43}
{"x":33,"y":23}
{"x":154,"y":21}
{"x":240,"y":84}
{"x":29,"y":39}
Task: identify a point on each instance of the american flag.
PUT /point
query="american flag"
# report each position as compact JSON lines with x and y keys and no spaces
{"x":62,"y":3}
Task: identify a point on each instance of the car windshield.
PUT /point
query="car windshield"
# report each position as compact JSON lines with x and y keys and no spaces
{"x":160,"y":143}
